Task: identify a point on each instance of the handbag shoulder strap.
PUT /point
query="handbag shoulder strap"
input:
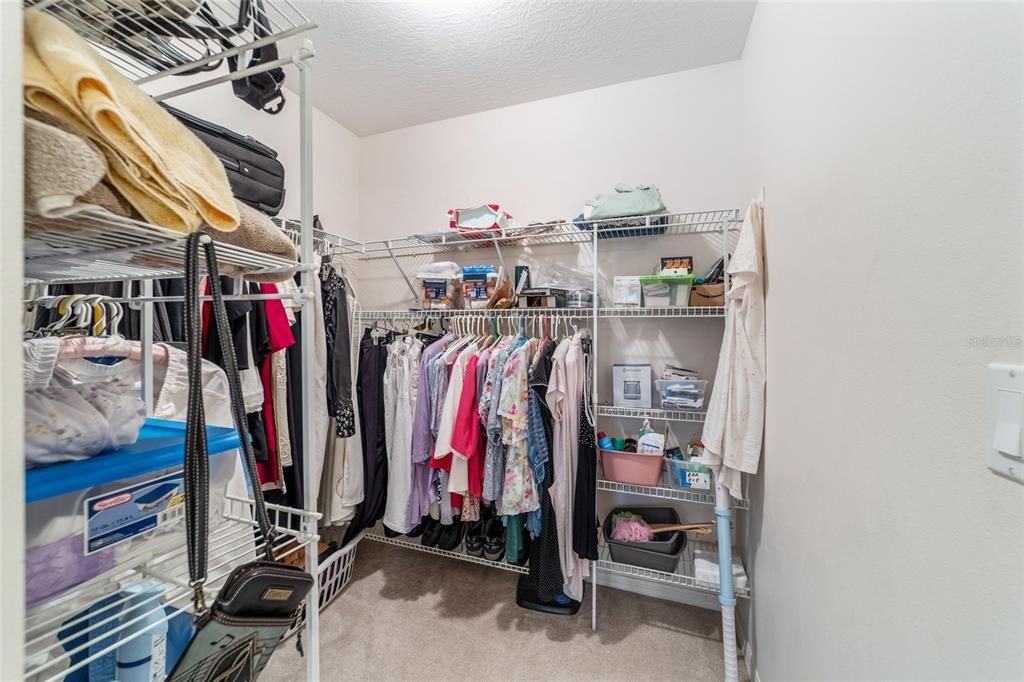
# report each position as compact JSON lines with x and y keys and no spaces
{"x":197,"y":466}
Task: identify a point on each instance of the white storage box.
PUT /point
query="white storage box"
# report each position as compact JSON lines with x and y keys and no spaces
{"x":631,"y":385}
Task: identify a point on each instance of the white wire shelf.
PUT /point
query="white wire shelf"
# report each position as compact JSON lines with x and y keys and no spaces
{"x":376,"y":536}
{"x":558,"y":232}
{"x":682,"y":577}
{"x":691,"y":416}
{"x":582,"y":313}
{"x":665,"y":492}
{"x":150,"y":39}
{"x":59,"y":629}
{"x":693,"y":311}
{"x":94,"y":246}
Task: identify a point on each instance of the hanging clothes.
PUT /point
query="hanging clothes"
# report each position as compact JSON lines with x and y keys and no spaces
{"x":400,"y":385}
{"x":584,"y":519}
{"x":339,"y":366}
{"x":519,"y":491}
{"x":563,"y":399}
{"x":341,"y":488}
{"x":545,"y":568}
{"x":734,"y":425}
{"x":370,"y":395}
{"x":422,"y":448}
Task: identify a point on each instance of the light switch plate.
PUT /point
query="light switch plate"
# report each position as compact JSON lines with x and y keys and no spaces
{"x":1006,"y":421}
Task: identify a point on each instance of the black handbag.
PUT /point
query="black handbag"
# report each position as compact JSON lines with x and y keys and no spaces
{"x":260,"y":600}
{"x":255,"y":174}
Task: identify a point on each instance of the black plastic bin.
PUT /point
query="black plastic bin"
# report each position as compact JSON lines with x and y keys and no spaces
{"x":661,"y":554}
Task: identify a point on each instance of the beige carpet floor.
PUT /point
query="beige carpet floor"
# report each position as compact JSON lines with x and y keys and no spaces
{"x":413,"y":616}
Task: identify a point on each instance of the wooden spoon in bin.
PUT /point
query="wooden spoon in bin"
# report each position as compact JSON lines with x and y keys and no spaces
{"x":695,"y":528}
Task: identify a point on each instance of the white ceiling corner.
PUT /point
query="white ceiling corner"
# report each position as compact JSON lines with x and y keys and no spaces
{"x":381,"y":66}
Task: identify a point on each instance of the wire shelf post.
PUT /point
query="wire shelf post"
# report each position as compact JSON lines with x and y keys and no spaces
{"x":310,"y":485}
{"x":723,"y":514}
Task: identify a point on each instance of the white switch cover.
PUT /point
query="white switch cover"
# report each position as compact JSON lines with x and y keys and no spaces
{"x":1006,"y":404}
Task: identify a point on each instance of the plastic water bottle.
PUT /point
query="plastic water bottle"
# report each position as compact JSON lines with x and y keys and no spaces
{"x":144,"y":658}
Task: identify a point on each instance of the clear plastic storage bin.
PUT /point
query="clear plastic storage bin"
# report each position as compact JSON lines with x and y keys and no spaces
{"x":687,"y":475}
{"x":87,"y":516}
{"x":681,"y":394}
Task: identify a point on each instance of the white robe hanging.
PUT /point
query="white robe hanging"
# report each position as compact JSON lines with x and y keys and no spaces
{"x":734,"y":426}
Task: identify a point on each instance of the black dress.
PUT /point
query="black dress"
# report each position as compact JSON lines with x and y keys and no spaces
{"x":373,"y":356}
{"x":545,"y":567}
{"x":584,"y":516}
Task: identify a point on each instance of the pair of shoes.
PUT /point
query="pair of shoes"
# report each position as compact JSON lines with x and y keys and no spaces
{"x":494,"y":539}
{"x":475,"y":538}
{"x":451,"y":536}
{"x":418,"y":529}
{"x":431,"y":532}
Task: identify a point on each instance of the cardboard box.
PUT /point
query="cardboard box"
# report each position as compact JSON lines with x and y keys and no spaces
{"x":707,"y":295}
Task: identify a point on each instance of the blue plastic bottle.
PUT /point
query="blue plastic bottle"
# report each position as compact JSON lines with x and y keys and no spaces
{"x":144,"y":658}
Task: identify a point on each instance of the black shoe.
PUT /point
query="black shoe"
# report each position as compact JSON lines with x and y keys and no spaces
{"x":417,"y":530}
{"x":494,"y":539}
{"x":431,"y":533}
{"x":388,"y":533}
{"x":475,"y":538}
{"x":451,"y":536}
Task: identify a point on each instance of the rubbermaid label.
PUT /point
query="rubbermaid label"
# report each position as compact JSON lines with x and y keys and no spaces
{"x":122,"y":514}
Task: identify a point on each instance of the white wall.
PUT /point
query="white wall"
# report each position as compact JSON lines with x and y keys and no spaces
{"x":335,"y":149}
{"x":889,"y":139}
{"x":541,"y":160}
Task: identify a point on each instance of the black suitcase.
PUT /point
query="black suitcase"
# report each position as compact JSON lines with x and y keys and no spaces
{"x":255,"y":174}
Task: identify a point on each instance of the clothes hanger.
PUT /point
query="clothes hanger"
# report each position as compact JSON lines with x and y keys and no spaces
{"x":108,"y":346}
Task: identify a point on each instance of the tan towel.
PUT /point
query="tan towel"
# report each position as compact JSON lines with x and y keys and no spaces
{"x":161,"y":167}
{"x":258,"y":232}
{"x":59,"y":169}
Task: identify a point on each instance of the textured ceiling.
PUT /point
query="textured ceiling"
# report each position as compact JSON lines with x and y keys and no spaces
{"x":387,"y":65}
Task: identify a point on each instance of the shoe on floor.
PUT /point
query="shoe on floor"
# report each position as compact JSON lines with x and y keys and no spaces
{"x":475,"y":538}
{"x":431,"y":533}
{"x":451,"y":536}
{"x":494,"y":539}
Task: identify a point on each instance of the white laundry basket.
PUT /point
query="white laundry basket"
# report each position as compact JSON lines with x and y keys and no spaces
{"x":334,"y":574}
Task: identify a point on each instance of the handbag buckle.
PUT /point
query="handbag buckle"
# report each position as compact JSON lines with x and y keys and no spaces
{"x":199,"y":606}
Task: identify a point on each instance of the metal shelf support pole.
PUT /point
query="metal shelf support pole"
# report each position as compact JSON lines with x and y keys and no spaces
{"x":310,"y":487}
{"x":723,"y":514}
{"x":594,"y":403}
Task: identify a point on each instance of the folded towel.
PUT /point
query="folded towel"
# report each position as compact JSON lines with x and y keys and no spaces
{"x":161,"y":167}
{"x":59,"y":169}
{"x":258,"y":232}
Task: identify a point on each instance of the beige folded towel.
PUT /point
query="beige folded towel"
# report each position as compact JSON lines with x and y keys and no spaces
{"x":258,"y":232}
{"x":161,"y":167}
{"x":59,"y":169}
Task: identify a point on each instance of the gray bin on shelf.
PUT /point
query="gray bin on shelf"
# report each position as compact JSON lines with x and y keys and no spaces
{"x":661,"y":554}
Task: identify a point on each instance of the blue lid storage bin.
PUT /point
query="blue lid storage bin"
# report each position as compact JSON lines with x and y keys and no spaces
{"x":88,"y":516}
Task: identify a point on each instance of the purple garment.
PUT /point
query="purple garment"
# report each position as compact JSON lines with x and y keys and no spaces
{"x":422,"y":438}
{"x":481,"y":372}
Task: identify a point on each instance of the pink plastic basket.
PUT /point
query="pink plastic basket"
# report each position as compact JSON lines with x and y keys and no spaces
{"x":630,"y":467}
